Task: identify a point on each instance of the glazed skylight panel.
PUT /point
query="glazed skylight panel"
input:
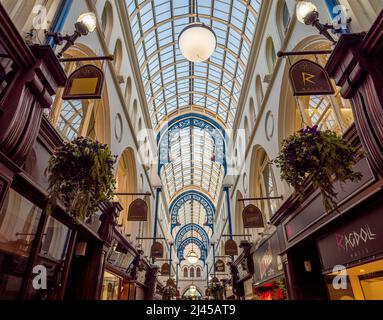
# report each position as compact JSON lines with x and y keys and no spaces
{"x":171,"y":82}
{"x":191,"y":151}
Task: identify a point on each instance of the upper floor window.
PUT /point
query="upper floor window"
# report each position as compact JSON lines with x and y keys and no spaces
{"x":271,"y":55}
{"x":191,"y":272}
{"x":185,"y":272}
{"x":107,"y":21}
{"x":198,"y":272}
{"x":286,"y":17}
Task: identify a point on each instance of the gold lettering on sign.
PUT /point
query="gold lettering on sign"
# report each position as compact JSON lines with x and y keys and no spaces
{"x":307,"y":78}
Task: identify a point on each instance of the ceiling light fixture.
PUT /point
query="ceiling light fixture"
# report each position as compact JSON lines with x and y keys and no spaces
{"x":307,"y":13}
{"x":192,"y":257}
{"x":197,"y":41}
{"x":86,"y":23}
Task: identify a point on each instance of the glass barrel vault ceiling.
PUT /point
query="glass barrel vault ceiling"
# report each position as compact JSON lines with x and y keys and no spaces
{"x":191,"y":152}
{"x":173,"y":84}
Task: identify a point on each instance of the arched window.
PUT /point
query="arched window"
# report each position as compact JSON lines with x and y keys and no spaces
{"x":259,"y":91}
{"x":327,"y":112}
{"x":198,"y":272}
{"x":107,"y":21}
{"x":271,"y":55}
{"x":191,"y":272}
{"x":286,"y":17}
{"x":133,"y":113}
{"x":70,"y":119}
{"x":252,"y":111}
{"x":185,"y":272}
{"x":139,"y":127}
{"x":118,"y":57}
{"x":263,"y":182}
{"x":247,"y":130}
{"x":74,"y":118}
{"x":126,"y":178}
{"x":128,"y":92}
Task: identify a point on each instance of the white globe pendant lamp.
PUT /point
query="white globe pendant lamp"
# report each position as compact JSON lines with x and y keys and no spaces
{"x":192,"y":257}
{"x":197,"y":41}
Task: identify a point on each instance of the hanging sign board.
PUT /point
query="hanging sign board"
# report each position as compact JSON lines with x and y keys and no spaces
{"x":220,"y":266}
{"x":86,"y":82}
{"x":252,"y":217}
{"x":157,"y":250}
{"x":138,"y":211}
{"x":231,"y":248}
{"x":309,"y":78}
{"x":165,"y":269}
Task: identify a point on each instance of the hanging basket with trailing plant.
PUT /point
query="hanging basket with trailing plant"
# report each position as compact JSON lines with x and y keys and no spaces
{"x":216,"y":289}
{"x":81,"y":176}
{"x":168,"y":293}
{"x":323,"y":156}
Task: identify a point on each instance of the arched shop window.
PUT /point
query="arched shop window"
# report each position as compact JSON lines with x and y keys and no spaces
{"x":198,"y":272}
{"x":185,"y":272}
{"x":191,"y":272}
{"x":327,"y":112}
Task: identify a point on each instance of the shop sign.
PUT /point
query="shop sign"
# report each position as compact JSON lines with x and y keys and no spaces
{"x":243,"y":270}
{"x":309,"y":78}
{"x":266,"y":262}
{"x":354,"y":241}
{"x":141,"y":276}
{"x":231,"y":248}
{"x":157,"y":250}
{"x":220,"y":266}
{"x":138,"y":210}
{"x":165,"y":269}
{"x":85,"y":83}
{"x":252,"y":217}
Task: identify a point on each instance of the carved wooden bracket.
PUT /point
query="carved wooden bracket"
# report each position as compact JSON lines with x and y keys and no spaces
{"x":357,"y":66}
{"x":37,"y":74}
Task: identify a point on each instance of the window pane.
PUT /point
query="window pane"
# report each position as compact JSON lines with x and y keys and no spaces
{"x":19,"y":220}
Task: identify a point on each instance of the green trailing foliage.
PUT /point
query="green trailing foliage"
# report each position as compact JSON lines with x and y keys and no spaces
{"x":216,"y":289}
{"x":168,"y":293}
{"x":323,"y":156}
{"x":81,"y":176}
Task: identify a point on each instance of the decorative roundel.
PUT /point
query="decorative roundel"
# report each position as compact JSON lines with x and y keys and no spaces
{"x":269,"y":126}
{"x":245,"y":186}
{"x":118,"y":127}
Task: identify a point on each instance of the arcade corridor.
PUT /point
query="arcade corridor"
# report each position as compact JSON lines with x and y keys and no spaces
{"x":191,"y":150}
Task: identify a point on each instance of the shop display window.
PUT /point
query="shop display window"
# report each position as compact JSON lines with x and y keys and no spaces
{"x":274,"y":290}
{"x":364,"y":282}
{"x":111,"y":287}
{"x":19,"y":219}
{"x":52,"y":255}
